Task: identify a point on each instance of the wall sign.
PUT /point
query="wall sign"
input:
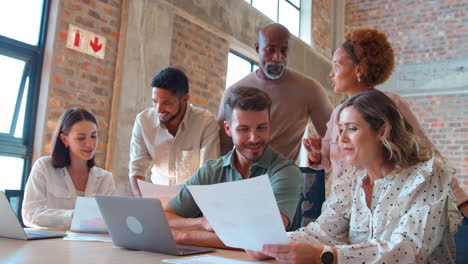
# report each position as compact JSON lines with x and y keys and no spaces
{"x":86,"y":41}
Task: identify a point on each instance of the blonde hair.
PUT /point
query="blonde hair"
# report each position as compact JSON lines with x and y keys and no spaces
{"x":401,"y":143}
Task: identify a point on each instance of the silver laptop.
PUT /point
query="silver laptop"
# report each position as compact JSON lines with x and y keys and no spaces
{"x":10,"y":227}
{"x":140,"y":224}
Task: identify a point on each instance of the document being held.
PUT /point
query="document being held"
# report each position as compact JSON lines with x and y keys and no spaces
{"x":162,"y":192}
{"x":247,"y":217}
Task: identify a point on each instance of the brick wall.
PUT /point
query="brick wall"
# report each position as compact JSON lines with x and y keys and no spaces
{"x":445,"y":118}
{"x":420,"y":31}
{"x":202,"y":55}
{"x":321,"y":27}
{"x":79,"y":80}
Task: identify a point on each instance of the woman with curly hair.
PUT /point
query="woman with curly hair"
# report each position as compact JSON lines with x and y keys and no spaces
{"x":397,"y":207}
{"x":364,"y":61}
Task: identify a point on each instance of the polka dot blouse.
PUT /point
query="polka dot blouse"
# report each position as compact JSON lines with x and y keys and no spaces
{"x":412,"y":218}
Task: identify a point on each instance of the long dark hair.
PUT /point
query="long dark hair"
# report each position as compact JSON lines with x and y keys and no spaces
{"x":60,"y":153}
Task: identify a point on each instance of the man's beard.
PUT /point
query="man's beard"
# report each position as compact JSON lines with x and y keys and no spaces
{"x":172,"y":117}
{"x":262,"y":143}
{"x":271,"y":73}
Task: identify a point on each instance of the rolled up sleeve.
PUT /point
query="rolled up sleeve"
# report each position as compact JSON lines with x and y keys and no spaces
{"x":140,"y":159}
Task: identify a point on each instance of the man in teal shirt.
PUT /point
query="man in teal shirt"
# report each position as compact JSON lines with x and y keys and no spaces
{"x":248,"y":124}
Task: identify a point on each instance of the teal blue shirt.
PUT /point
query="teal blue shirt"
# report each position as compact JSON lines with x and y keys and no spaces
{"x":285,"y":178}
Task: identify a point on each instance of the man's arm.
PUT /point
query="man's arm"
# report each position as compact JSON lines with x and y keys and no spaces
{"x":193,"y":231}
{"x":204,"y":238}
{"x":210,"y":145}
{"x":134,"y":184}
{"x":199,"y":238}
{"x":179,"y":222}
{"x":285,"y":220}
{"x":286,"y":183}
{"x":140,"y":159}
{"x":320,"y":109}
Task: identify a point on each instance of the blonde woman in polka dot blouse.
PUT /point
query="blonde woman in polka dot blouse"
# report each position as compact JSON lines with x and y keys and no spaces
{"x":396,"y":208}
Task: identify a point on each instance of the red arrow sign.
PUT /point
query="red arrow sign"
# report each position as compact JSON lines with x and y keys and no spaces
{"x":95,"y":45}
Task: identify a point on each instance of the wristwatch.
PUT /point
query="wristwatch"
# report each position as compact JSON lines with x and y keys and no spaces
{"x":327,"y":256}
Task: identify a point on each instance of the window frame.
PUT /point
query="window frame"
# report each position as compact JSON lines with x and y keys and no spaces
{"x":298,"y":8}
{"x":252,"y":62}
{"x":33,"y":56}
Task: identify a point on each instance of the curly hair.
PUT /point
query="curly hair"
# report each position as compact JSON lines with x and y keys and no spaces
{"x":370,"y":49}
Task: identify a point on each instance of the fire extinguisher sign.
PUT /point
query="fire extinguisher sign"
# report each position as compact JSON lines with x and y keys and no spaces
{"x":86,"y":42}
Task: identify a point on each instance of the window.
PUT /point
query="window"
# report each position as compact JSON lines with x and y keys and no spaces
{"x":285,"y":12}
{"x":22,"y":37}
{"x":238,"y":68}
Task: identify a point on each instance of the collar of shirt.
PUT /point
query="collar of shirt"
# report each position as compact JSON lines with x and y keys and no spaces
{"x":185,"y":120}
{"x":264,"y":162}
{"x":418,"y":173}
{"x":362,"y":175}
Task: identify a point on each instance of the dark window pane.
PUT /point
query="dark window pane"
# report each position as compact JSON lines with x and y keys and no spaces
{"x":21,"y":20}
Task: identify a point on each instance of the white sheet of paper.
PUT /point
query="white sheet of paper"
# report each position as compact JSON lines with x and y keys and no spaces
{"x":246,"y":217}
{"x":87,"y":237}
{"x":208,"y":259}
{"x":161,"y":192}
{"x":87,"y":216}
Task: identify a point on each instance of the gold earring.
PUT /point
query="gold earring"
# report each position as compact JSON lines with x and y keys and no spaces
{"x":359,"y":79}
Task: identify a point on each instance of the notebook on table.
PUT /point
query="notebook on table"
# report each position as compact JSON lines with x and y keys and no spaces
{"x":10,"y":227}
{"x":140,"y":224}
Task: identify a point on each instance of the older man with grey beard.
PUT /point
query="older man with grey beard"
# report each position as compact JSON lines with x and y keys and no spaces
{"x":296,"y":98}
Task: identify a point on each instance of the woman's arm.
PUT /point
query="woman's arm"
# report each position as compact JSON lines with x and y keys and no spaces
{"x":35,"y":210}
{"x":297,"y":253}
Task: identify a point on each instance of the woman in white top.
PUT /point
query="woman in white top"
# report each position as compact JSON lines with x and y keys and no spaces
{"x":56,"y":180}
{"x":364,"y":61}
{"x":395,"y":205}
